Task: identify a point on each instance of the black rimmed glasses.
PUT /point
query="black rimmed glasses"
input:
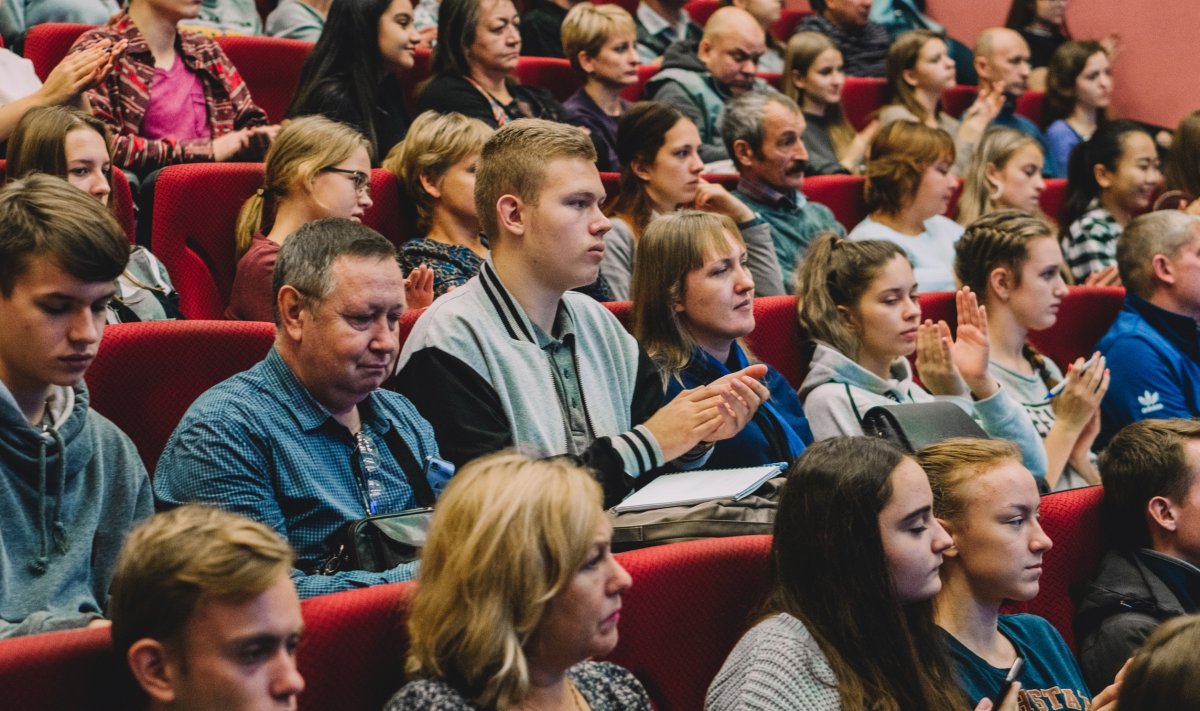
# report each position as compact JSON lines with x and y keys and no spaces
{"x":362,"y":181}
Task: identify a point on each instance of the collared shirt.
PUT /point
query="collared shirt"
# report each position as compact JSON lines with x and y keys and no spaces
{"x":655,"y":33}
{"x":1180,"y":329}
{"x":560,"y":352}
{"x":1181,"y":577}
{"x":258,"y":444}
{"x":1091,"y":242}
{"x":795,"y":221}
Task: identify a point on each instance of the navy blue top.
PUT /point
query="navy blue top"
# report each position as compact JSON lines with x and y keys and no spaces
{"x":602,"y":126}
{"x":1050,"y":679}
{"x":779,"y":431}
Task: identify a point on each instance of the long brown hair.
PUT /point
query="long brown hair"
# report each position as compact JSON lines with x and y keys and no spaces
{"x":802,"y":50}
{"x":640,"y":133}
{"x":1065,"y":67}
{"x":902,"y":56}
{"x":39,"y":140}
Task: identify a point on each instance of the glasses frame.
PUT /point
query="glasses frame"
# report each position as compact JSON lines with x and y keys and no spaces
{"x":362,"y":181}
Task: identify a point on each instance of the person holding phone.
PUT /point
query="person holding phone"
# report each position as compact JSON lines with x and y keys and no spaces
{"x":988,"y":503}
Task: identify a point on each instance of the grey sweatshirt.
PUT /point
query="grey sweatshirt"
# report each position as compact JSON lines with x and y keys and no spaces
{"x":63,"y":518}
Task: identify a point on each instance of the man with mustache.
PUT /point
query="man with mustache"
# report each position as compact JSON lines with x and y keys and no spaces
{"x":699,"y":84}
{"x":71,"y":483}
{"x":762,"y":132}
{"x":305,"y":441}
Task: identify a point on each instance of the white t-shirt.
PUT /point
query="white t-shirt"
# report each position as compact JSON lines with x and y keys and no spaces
{"x":931,"y":252}
{"x":17,"y":78}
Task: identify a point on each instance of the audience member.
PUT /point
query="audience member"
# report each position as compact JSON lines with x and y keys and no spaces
{"x":1150,"y":474}
{"x":226,"y":17}
{"x":908,"y":190}
{"x":1153,"y":347}
{"x":478,"y":47}
{"x":660,"y":24}
{"x":863,"y":44}
{"x":767,"y":12}
{"x":762,"y":132}
{"x":1114,"y":176}
{"x":1005,"y":172}
{"x":435,"y":165}
{"x":699,"y":82}
{"x":1011,"y":260}
{"x":316,"y":168}
{"x":71,"y":483}
{"x":693,"y":302}
{"x":660,"y":171}
{"x":350,"y":79}
{"x":1043,"y":26}
{"x":1002,"y":61}
{"x":900,"y":16}
{"x":475,"y":364}
{"x":305,"y":441}
{"x":541,"y":27}
{"x":519,"y":590}
{"x":173,"y":96}
{"x":17,"y":16}
{"x":205,"y":614}
{"x":1182,"y":170}
{"x":1078,"y":90}
{"x":298,"y":19}
{"x":22,"y":90}
{"x":75,"y":146}
{"x":1161,"y":676}
{"x":989,"y":503}
{"x":919,"y":70}
{"x":813,"y":77}
{"x":600,"y":41}
{"x":858,"y":301}
{"x":854,"y":509}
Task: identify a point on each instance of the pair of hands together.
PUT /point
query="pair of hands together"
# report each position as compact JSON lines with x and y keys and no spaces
{"x":709,"y":413}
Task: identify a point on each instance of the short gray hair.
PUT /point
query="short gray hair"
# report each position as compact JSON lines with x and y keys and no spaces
{"x":743,"y":118}
{"x":1161,"y":232}
{"x":308,"y":254}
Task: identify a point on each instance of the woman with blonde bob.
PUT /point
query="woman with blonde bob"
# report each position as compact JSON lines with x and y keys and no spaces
{"x":435,"y":166}
{"x":316,"y":168}
{"x":519,"y":588}
{"x":1005,"y":172}
{"x":693,"y":301}
{"x":908,"y":190}
{"x":988,"y":503}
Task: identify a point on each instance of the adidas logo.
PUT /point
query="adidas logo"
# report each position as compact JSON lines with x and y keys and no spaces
{"x":1149,"y":402}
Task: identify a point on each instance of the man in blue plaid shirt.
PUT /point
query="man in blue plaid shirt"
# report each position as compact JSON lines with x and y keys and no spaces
{"x":300,"y":442}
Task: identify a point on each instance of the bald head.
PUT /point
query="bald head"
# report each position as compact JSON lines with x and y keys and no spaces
{"x":1002,"y":55}
{"x":732,"y":44}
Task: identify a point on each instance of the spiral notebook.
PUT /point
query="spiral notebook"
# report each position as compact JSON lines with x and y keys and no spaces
{"x":693,"y":487}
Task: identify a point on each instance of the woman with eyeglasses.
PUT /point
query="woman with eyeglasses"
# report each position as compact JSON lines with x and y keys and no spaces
{"x":316,"y":168}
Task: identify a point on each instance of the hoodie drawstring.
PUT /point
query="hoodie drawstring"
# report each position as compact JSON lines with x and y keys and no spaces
{"x":41,"y":563}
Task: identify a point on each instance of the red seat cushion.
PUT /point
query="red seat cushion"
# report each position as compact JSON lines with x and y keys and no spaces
{"x":701,"y":10}
{"x":633,"y":92}
{"x":862,"y":97}
{"x":777,"y":338}
{"x":550,"y":73}
{"x":843,"y":194}
{"x":46,"y":44}
{"x":1083,"y":318}
{"x":1052,"y":198}
{"x":270,"y":66}
{"x":73,"y":669}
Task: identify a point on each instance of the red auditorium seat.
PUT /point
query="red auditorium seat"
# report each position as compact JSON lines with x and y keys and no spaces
{"x":1083,"y":318}
{"x":778,"y":339}
{"x":623,"y":311}
{"x":633,"y":92}
{"x":46,"y":44}
{"x":146,"y":375}
{"x":74,"y":669}
{"x":550,"y":73}
{"x":1052,"y":198}
{"x":956,"y":99}
{"x":843,"y":194}
{"x":701,"y":10}
{"x":412,"y":79}
{"x":939,"y":306}
{"x":270,"y":67}
{"x":785,"y":26}
{"x":1072,"y":520}
{"x":689,"y":605}
{"x":195,"y":238}
{"x":1030,"y":105}
{"x":862,"y":97}
{"x":352,"y":653}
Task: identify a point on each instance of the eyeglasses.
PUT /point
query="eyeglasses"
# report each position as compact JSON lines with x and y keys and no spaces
{"x":362,"y":181}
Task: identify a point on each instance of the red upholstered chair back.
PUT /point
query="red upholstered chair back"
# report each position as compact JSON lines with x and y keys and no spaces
{"x":633,"y":92}
{"x":701,"y":10}
{"x":612,"y":185}
{"x":146,"y":375}
{"x":122,"y":199}
{"x":939,"y":306}
{"x":956,"y":99}
{"x":1072,"y":520}
{"x":785,"y":26}
{"x":1083,"y":317}
{"x":550,"y":73}
{"x":843,"y":194}
{"x":352,"y":653}
{"x":727,"y":180}
{"x":46,"y":44}
{"x":1030,"y":105}
{"x":623,"y":310}
{"x":270,"y":67}
{"x":412,"y":79}
{"x":689,"y":605}
{"x":861,"y":97}
{"x":74,"y":669}
{"x":1052,"y":198}
{"x":778,"y":339}
{"x":195,"y":213}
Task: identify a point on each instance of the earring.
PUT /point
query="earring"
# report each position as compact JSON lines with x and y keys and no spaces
{"x":995,"y":194}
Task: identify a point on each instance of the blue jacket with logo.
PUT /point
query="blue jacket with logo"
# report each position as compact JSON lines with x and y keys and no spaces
{"x":1154,"y":357}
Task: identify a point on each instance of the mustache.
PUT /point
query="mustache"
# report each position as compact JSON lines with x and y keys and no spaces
{"x":797,"y":168}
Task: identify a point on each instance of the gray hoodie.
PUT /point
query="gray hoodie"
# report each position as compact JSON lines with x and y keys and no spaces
{"x":837,"y":392}
{"x":63,"y":519}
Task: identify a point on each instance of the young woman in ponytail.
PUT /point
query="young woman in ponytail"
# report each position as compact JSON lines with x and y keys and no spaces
{"x":1012,"y":261}
{"x":858,"y":301}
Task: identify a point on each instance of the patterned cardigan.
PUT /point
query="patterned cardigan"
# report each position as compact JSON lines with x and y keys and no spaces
{"x":121,"y":100}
